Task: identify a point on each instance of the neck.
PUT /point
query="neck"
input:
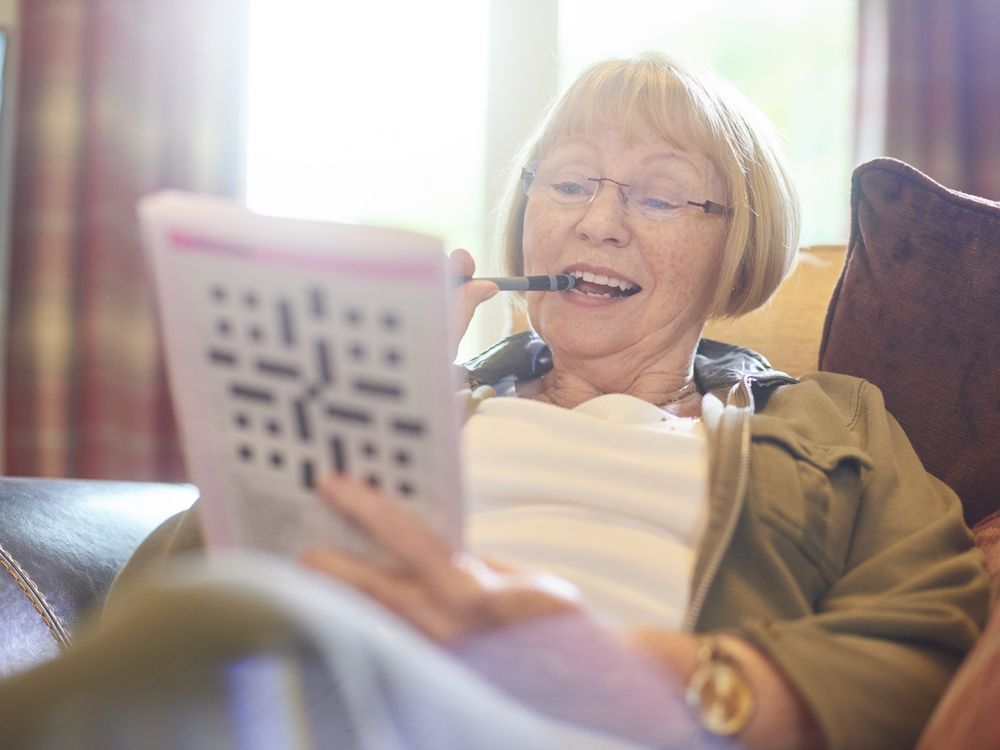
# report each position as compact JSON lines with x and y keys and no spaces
{"x":665,"y":381}
{"x":569,"y":390}
{"x":658,"y":368}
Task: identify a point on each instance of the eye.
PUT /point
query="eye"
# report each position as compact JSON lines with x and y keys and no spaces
{"x":570,"y":189}
{"x":658,"y":196}
{"x":567,"y":182}
{"x":658,"y":204}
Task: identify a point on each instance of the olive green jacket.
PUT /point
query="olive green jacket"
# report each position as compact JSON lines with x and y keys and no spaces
{"x":834,"y":552}
{"x":828,"y":546}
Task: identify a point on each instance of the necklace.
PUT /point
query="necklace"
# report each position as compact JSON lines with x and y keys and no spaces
{"x":679,"y":395}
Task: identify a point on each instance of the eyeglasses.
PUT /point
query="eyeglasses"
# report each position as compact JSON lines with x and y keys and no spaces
{"x":654,"y":197}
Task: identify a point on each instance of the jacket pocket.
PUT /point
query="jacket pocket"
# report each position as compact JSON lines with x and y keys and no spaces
{"x":805,"y":496}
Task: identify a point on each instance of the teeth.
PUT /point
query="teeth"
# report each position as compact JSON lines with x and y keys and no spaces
{"x":604,"y":280}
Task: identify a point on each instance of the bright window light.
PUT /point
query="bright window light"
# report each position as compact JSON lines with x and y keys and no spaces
{"x":370,"y":112}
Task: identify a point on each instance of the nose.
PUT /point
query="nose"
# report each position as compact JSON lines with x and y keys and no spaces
{"x":603,"y":221}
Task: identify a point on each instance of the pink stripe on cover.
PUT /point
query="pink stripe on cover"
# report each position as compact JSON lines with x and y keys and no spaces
{"x":410,"y":270}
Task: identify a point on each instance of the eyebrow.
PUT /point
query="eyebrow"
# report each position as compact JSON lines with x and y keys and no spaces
{"x":676,"y":156}
{"x":580,"y":143}
{"x":585,"y":144}
{"x":575,"y":144}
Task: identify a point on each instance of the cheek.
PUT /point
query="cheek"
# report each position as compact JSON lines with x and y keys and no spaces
{"x":534,"y":242}
{"x":690,"y":272}
{"x":539,"y":241}
{"x":710,"y":259}
{"x":704,"y":268}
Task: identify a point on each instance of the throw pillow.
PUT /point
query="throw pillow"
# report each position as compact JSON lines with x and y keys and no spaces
{"x":917,"y":312}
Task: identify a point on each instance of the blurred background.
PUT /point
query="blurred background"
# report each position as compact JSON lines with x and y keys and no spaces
{"x":387,"y":112}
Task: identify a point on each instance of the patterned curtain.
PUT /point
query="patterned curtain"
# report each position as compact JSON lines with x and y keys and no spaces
{"x":117,"y":98}
{"x":929,"y":88}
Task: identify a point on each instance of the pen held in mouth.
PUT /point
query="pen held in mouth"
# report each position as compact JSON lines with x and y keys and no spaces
{"x":556,"y":282}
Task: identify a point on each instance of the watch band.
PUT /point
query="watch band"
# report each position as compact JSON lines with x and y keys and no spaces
{"x":719,"y":691}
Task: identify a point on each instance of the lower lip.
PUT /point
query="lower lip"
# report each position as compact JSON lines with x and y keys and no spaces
{"x":591,"y":300}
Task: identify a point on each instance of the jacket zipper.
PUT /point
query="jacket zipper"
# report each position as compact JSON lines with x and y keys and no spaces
{"x":745,"y":389}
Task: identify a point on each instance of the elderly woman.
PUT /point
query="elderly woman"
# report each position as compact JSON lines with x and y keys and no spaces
{"x":737,"y":524}
{"x":769,"y":548}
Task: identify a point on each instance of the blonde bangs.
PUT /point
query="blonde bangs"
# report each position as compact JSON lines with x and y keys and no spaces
{"x":640,"y":97}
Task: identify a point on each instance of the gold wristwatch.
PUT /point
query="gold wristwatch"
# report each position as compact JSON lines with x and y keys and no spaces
{"x":719,"y":691}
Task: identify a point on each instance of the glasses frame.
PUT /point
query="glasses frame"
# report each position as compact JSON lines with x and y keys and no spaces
{"x":528,"y":173}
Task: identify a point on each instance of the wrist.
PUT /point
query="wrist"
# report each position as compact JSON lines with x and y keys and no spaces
{"x":780,"y":720}
{"x":718,"y":689}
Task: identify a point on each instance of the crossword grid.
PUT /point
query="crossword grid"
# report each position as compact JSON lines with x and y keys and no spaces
{"x":306,"y":386}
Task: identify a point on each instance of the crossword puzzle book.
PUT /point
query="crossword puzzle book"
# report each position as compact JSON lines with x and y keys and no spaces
{"x":296,"y":348}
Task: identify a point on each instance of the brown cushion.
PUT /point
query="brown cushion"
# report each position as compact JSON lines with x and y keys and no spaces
{"x":917,"y":312}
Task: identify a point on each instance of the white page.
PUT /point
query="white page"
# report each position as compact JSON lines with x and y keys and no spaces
{"x":296,"y":348}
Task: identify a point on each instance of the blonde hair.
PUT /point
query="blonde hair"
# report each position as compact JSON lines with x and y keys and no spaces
{"x":694,"y":111}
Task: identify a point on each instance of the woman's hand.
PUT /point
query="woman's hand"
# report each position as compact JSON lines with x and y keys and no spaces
{"x":467,"y":296}
{"x":444,"y":594}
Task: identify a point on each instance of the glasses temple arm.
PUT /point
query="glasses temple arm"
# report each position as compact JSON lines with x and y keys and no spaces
{"x":711,"y":207}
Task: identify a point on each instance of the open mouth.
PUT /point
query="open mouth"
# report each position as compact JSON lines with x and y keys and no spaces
{"x":597,"y":285}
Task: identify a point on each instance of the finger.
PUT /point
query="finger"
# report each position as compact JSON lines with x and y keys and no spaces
{"x":486,"y":574}
{"x":461,"y":263}
{"x":402,"y":596}
{"x":502,"y":566}
{"x":517,"y":604}
{"x":393,"y":527}
{"x":467,"y":297}
{"x":473,"y":294}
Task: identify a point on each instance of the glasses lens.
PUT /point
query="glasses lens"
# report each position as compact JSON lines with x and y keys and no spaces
{"x":657,"y":197}
{"x":566,"y":183}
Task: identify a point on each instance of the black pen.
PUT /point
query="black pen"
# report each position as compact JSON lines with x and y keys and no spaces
{"x":555,"y":282}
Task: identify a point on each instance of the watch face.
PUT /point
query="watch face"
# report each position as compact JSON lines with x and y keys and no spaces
{"x":720,"y":693}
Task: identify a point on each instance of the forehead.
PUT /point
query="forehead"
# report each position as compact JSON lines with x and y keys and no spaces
{"x":613,"y":148}
{"x":639,"y":104}
{"x":662,"y":123}
{"x":611,"y":145}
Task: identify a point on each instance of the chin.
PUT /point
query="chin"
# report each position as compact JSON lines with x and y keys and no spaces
{"x":574,"y":339}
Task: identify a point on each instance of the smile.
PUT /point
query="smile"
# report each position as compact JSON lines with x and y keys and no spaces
{"x":598,"y":285}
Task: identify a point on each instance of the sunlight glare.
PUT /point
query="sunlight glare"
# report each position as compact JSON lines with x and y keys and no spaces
{"x":371,"y":112}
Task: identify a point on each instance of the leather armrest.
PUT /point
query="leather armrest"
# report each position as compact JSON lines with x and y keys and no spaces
{"x":62,"y":541}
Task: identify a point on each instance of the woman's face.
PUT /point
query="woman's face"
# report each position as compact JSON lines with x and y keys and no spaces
{"x":667,"y":267}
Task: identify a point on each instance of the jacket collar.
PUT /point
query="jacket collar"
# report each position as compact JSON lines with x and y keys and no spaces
{"x":524,"y":356}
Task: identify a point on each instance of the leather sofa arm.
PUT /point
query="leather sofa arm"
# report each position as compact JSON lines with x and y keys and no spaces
{"x":62,"y":541}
